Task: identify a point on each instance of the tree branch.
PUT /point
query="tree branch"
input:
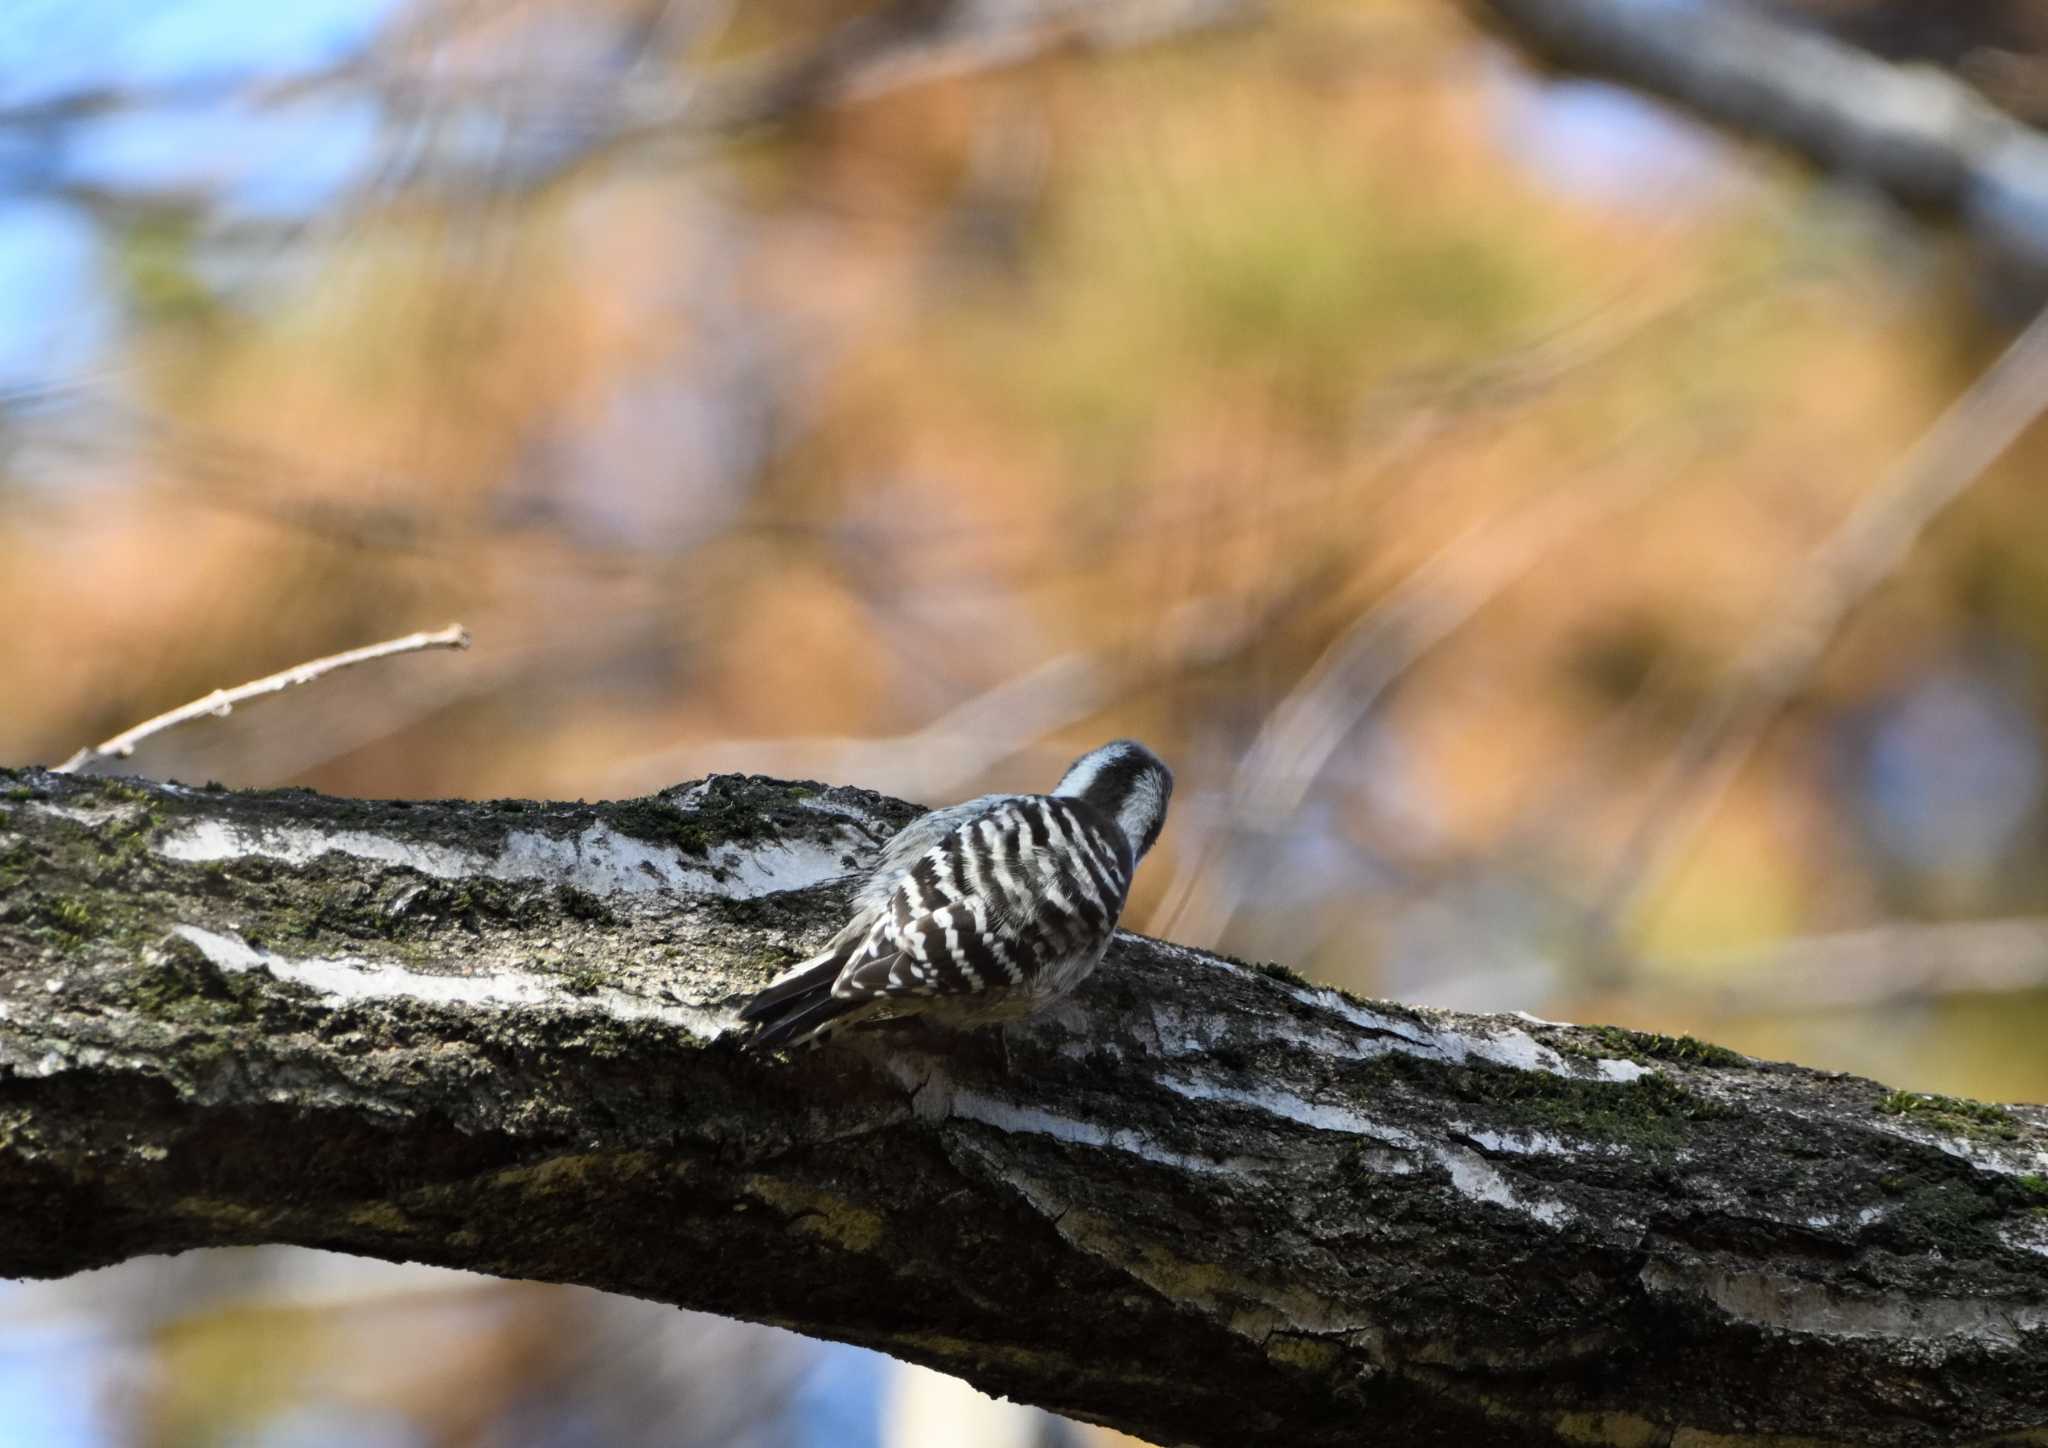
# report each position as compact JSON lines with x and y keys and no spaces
{"x":221,"y":702}
{"x":1203,"y":1202}
{"x":1922,"y":137}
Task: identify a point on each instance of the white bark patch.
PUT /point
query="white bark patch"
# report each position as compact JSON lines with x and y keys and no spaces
{"x":210,"y":840}
{"x":344,"y":979}
{"x":1796,"y":1306}
{"x":91,"y":816}
{"x":2027,"y":1236}
{"x":821,"y":804}
{"x":66,"y":1056}
{"x":1625,"y":1071}
{"x":2004,"y":1159}
{"x":1471,"y":1174}
{"x":1320,"y":1115}
{"x":599,"y":860}
{"x":605,"y":862}
{"x":1829,"y":1221}
{"x":1010,"y":1119}
{"x":1530,"y":1143}
{"x":939,"y":1099}
{"x":1385,"y":1034}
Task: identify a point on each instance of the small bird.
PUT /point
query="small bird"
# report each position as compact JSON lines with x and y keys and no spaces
{"x":984,"y":911}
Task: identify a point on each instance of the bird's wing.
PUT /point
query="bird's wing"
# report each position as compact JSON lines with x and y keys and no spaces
{"x":904,"y":848}
{"x":1010,"y":883}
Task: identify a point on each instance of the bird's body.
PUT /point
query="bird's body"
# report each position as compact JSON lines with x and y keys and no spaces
{"x":984,"y":911}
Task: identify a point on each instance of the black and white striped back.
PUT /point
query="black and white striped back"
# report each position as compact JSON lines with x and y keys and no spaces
{"x":983,"y":911}
{"x":1019,"y":900}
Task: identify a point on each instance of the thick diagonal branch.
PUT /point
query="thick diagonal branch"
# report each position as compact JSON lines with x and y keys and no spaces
{"x":1204,"y":1202}
{"x":1920,"y":136}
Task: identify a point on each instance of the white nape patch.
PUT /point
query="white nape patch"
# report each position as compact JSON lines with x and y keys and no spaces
{"x":1141,"y":811}
{"x":1081,"y":774}
{"x":600,"y":860}
{"x":350,"y":978}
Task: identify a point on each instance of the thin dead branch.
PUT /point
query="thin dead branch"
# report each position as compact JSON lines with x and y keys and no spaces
{"x":1898,"y":963}
{"x":221,"y":702}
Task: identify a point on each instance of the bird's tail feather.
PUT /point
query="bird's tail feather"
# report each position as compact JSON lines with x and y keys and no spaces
{"x":804,"y":1019}
{"x":797,"y":1003}
{"x":812,"y":975}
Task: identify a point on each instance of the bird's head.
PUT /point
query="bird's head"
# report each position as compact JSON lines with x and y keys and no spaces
{"x":1128,"y":783}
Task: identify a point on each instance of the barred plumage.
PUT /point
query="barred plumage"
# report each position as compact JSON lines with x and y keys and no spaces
{"x":983,"y":911}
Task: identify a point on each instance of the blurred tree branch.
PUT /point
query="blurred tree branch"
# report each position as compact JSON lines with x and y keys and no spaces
{"x":555,"y":125}
{"x":1856,"y":559}
{"x":1901,"y":962}
{"x":1925,"y":138}
{"x":1306,"y":729}
{"x":491,"y":1036}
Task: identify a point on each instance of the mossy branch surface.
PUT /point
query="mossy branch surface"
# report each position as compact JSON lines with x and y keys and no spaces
{"x":1203,"y":1201}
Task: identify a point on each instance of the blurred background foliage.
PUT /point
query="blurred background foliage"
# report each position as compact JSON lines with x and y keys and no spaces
{"x":1406,"y":443}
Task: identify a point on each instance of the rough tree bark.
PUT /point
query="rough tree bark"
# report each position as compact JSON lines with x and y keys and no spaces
{"x":1204,"y":1202}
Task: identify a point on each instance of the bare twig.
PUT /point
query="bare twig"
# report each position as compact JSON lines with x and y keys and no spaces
{"x":222,"y":701}
{"x":1861,"y":554}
